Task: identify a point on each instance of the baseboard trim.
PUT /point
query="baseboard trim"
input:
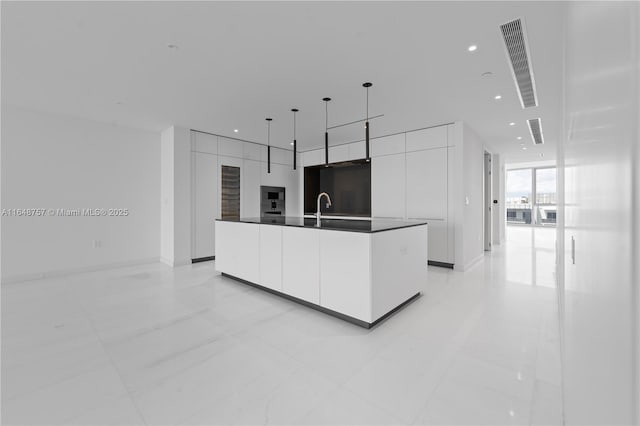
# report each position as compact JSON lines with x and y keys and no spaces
{"x":72,"y":271}
{"x":440,"y":264}
{"x":203,"y":259}
{"x":322,"y":309}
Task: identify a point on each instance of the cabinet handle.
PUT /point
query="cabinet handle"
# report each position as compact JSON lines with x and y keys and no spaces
{"x":573,"y":250}
{"x":426,"y":218}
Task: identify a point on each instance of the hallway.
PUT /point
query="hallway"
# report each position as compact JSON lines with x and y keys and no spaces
{"x":155,"y":345}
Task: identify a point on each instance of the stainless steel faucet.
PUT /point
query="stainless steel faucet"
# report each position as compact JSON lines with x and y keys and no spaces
{"x":318,"y":211}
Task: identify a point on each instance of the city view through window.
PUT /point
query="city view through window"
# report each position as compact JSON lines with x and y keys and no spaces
{"x":522,"y":207}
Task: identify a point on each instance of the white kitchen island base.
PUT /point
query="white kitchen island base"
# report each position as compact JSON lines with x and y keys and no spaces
{"x":359,"y":272}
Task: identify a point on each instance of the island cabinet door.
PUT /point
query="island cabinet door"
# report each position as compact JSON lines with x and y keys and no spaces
{"x":345,"y":273}
{"x":301,"y":263}
{"x":237,"y":249}
{"x":271,"y":257}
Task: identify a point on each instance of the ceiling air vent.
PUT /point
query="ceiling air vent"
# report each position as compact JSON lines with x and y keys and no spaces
{"x":515,"y":41}
{"x":535,"y":128}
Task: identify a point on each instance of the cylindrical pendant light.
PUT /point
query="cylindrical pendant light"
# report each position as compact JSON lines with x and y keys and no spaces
{"x":268,"y":144}
{"x":326,"y":130}
{"x":295,"y":143}
{"x":366,"y":124}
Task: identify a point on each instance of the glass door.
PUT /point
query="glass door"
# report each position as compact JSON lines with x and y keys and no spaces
{"x":521,"y":205}
{"x":545,"y":206}
{"x":518,"y":198}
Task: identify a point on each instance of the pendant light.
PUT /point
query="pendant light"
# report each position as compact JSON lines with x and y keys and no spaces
{"x":295,"y":144}
{"x":326,"y":130}
{"x":366,"y":124}
{"x":268,"y":144}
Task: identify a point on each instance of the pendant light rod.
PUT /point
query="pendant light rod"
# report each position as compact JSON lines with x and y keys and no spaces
{"x":326,"y":130}
{"x":355,"y":122}
{"x":295,"y":143}
{"x":268,"y":144}
{"x":366,"y":125}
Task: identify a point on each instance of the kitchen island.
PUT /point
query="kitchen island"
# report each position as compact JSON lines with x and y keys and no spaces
{"x":359,"y":270}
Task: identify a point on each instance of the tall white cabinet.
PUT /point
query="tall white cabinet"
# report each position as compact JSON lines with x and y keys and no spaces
{"x":429,"y":158}
{"x":205,"y":194}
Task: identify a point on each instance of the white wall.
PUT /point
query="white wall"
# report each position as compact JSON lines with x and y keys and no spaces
{"x":598,"y":156}
{"x":167,"y":196}
{"x":61,"y":162}
{"x":175,"y":203}
{"x":472,"y":197}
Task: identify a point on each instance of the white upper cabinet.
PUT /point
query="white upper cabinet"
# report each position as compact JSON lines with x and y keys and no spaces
{"x":438,"y":241}
{"x":251,"y":151}
{"x":357,"y":150}
{"x":204,"y":142}
{"x":394,"y":144}
{"x":230,"y":147}
{"x":313,"y":158}
{"x":427,"y":184}
{"x":451,"y":135}
{"x":281,"y":156}
{"x":388,"y":186}
{"x":434,"y":137}
{"x":339,"y":153}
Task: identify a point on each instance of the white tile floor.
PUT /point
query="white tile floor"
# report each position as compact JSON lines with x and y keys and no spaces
{"x":154,"y":345}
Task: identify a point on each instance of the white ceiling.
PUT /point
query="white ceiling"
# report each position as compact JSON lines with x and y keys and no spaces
{"x":239,"y":62}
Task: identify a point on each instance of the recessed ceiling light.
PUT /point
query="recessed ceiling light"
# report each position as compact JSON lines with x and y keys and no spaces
{"x":519,"y":137}
{"x":497,"y":97}
{"x":524,"y":147}
{"x":235,"y":130}
{"x":472,"y":48}
{"x":291,"y":143}
{"x":512,"y":124}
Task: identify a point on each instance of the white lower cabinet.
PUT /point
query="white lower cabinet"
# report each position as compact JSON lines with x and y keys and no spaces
{"x":439,"y":241}
{"x":240,"y":256}
{"x":271,"y":257}
{"x":301,"y":263}
{"x":345,"y":279}
{"x":428,"y":198}
{"x":339,"y":153}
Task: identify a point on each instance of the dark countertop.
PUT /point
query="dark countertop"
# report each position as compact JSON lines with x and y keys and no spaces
{"x":350,"y":225}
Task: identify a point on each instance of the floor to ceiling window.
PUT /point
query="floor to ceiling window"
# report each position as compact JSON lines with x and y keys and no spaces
{"x":531,"y":196}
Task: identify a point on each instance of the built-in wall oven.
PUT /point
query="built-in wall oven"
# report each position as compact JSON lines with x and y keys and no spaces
{"x":272,"y":201}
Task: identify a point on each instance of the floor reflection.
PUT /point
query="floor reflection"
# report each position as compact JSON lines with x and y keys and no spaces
{"x":530,"y":255}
